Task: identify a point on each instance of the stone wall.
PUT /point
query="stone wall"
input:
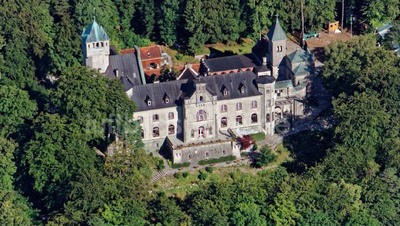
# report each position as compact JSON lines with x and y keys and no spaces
{"x":212,"y":150}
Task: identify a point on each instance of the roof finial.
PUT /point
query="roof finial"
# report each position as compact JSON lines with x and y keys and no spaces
{"x":277,"y":17}
{"x":94,"y":13}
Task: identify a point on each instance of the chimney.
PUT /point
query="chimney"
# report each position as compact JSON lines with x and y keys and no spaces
{"x":264,"y":61}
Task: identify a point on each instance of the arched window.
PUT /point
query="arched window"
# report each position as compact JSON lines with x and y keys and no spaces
{"x":171,"y":129}
{"x":254,"y":118}
{"x":142,"y":133}
{"x":88,"y":46}
{"x":239,"y":120}
{"x":201,"y":98}
{"x":156,"y":132}
{"x":97,"y":45}
{"x":224,"y":108}
{"x":201,"y":115}
{"x":224,"y":152}
{"x":140,"y":119}
{"x":254,"y":104}
{"x":268,"y":117}
{"x":224,"y":122}
{"x":239,"y":106}
{"x":102,"y":44}
{"x":155,"y":118}
{"x":201,"y":132}
{"x":171,"y":115}
{"x":207,"y":154}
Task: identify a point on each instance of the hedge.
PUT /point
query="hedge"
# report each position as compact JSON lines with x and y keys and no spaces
{"x":222,"y":159}
{"x":180,"y":165}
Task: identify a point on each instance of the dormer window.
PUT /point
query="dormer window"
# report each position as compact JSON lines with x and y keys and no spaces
{"x":224,"y":90}
{"x":242,"y":88}
{"x":148,"y":101}
{"x":166,"y":98}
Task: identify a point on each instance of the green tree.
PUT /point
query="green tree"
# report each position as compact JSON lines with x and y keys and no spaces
{"x":168,"y":21}
{"x":14,"y":209}
{"x":164,"y":210}
{"x":248,"y":214}
{"x":362,"y":119}
{"x":15,"y":108}
{"x":194,"y":25}
{"x":54,"y":156}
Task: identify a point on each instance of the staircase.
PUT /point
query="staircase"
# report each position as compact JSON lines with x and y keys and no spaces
{"x":157,"y":176}
{"x":271,"y":140}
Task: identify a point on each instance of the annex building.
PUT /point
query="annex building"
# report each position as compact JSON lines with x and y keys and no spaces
{"x":194,"y":117}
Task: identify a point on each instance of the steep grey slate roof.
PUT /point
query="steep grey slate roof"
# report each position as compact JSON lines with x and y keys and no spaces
{"x":94,"y":33}
{"x":181,"y":89}
{"x":299,"y":56}
{"x":265,"y":79}
{"x":232,"y":82}
{"x":262,"y":68}
{"x":230,"y":62}
{"x":276,"y":32}
{"x":156,"y":93}
{"x":127,"y":67}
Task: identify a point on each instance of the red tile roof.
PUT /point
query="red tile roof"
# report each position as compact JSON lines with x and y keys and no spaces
{"x":126,"y":51}
{"x":150,"y":72}
{"x":150,"y":52}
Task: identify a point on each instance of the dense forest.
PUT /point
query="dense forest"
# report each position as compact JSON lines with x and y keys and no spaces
{"x":53,"y":111}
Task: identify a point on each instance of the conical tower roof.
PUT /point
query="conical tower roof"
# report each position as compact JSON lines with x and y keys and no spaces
{"x":276,"y":32}
{"x":94,"y":33}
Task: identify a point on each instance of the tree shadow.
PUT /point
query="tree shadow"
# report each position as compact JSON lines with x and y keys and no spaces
{"x":319,"y":53}
{"x":307,"y":148}
{"x":218,"y":53}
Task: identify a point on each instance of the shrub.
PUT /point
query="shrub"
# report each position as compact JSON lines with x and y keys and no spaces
{"x":245,"y":142}
{"x":202,"y":175}
{"x":185,"y":174}
{"x":180,"y":165}
{"x":209,"y":169}
{"x":255,"y":146}
{"x":178,"y":175}
{"x":179,"y":56}
{"x":265,"y":157}
{"x":160,"y":164}
{"x":222,"y":159}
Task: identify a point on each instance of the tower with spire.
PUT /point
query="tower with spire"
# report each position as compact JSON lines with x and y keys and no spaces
{"x":96,"y":47}
{"x":277,"y":46}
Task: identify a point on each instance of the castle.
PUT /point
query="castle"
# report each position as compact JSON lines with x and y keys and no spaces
{"x":194,"y":117}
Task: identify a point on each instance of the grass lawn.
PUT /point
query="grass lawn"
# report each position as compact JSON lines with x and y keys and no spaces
{"x":181,"y":187}
{"x":230,"y":47}
{"x":234,"y":47}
